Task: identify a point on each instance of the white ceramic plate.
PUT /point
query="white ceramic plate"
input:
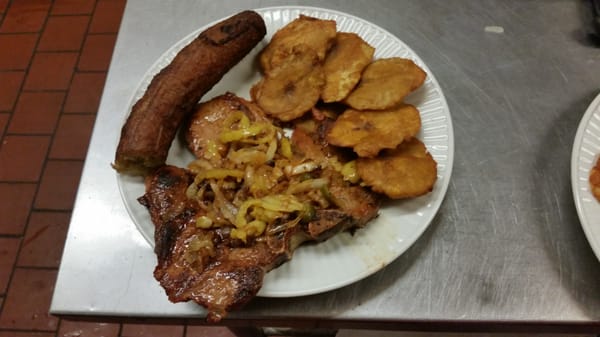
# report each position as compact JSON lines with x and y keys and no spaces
{"x":586,"y":149}
{"x":345,"y":258}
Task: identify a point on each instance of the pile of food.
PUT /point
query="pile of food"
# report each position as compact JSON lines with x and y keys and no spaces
{"x":326,"y":136}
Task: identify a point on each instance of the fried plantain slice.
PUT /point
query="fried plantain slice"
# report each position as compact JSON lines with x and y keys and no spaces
{"x":344,"y":64}
{"x":407,"y":171}
{"x":316,"y":34}
{"x":370,"y":131}
{"x":385,"y":83}
{"x":293,"y":88}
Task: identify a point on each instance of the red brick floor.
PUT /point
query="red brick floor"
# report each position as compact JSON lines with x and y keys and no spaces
{"x":54,"y":60}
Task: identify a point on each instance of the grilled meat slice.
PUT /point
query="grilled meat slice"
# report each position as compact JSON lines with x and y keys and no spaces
{"x":327,"y":223}
{"x":206,"y":265}
{"x":358,"y":204}
{"x":352,"y":207}
{"x":208,"y":121}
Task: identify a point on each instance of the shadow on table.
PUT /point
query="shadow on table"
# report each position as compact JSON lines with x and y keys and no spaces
{"x":589,"y":32}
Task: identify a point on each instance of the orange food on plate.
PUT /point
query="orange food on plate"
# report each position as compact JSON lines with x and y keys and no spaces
{"x":370,"y":131}
{"x":314,"y":33}
{"x":293,"y":87}
{"x":344,"y":65}
{"x":385,"y":83}
{"x":407,"y":171}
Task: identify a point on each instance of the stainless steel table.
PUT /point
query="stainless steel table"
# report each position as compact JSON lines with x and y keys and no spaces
{"x":506,"y":250}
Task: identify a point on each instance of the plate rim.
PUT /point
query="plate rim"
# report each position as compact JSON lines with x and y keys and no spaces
{"x":576,"y":175}
{"x":443,"y":185}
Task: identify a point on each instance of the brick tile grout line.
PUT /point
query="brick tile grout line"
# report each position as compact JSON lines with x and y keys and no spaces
{"x":5,"y":11}
{"x":60,"y":115}
{"x":58,"y":325}
{"x":33,"y":332}
{"x":5,"y":134}
{"x":51,"y":137}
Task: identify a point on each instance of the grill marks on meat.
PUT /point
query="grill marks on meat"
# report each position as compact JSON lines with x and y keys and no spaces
{"x":198,"y":264}
{"x":172,"y":214}
{"x":204,"y":265}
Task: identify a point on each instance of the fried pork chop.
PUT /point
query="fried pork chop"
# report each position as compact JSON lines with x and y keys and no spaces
{"x":200,"y":264}
{"x":220,"y":272}
{"x":207,"y":266}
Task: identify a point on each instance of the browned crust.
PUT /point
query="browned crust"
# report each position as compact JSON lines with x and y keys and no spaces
{"x":151,"y":127}
{"x":233,"y":275}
